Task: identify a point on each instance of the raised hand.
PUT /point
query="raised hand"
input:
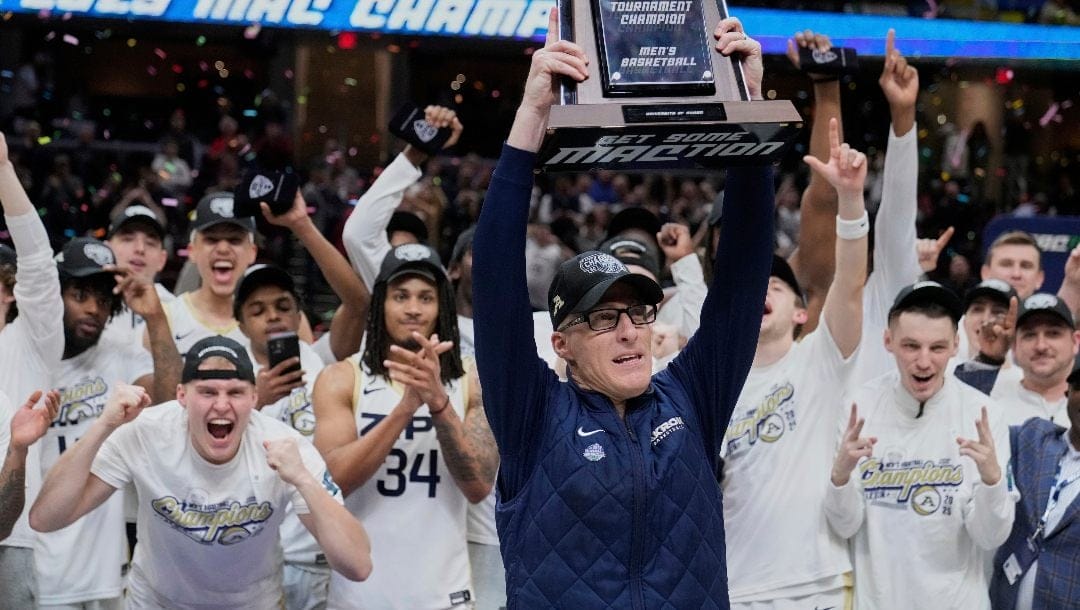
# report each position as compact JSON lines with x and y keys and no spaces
{"x":442,"y":117}
{"x":852,"y":449}
{"x":29,"y":424}
{"x":273,"y":383}
{"x":283,"y":456}
{"x":899,"y":81}
{"x":124,"y":405}
{"x":996,"y":334}
{"x":806,"y":39}
{"x":929,"y":250}
{"x":846,"y":169}
{"x":731,"y":39}
{"x":557,"y":58}
{"x":296,"y":216}
{"x":140,"y":296}
{"x":675,"y":241}
{"x":421,"y":370}
{"x":982,"y":451}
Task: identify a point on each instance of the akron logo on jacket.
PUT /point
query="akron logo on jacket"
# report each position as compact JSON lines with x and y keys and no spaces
{"x":224,"y":523}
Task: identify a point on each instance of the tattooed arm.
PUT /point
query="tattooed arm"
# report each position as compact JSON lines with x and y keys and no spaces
{"x":27,"y":426}
{"x":468,"y":446}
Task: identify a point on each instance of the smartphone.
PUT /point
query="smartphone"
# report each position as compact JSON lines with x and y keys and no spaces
{"x":409,"y":125}
{"x":282,"y":346}
{"x":277,"y":189}
{"x":837,"y":60}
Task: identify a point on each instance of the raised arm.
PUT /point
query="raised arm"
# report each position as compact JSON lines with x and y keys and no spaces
{"x":843,"y":309}
{"x":339,"y":534}
{"x":895,"y":262}
{"x":25,"y":427}
{"x":142,"y":298}
{"x":37,"y":282}
{"x":70,"y":490}
{"x":686,"y":271}
{"x":348,"y":325}
{"x":511,"y":373}
{"x":814,"y":260}
{"x":716,"y":360}
{"x":364,"y":234}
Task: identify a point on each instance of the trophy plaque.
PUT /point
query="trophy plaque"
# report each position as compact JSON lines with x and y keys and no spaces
{"x":659,"y":96}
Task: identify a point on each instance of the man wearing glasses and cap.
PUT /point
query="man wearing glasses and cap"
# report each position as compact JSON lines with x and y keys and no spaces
{"x":213,"y":479}
{"x":920,"y":482}
{"x":607,"y":485}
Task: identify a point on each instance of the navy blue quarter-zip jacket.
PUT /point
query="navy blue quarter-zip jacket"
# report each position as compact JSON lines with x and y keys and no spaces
{"x":595,"y":511}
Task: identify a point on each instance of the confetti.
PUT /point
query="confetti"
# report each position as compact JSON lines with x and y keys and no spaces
{"x":71,"y":40}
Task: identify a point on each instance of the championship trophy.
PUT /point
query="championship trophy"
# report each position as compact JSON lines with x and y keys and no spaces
{"x":659,"y":96}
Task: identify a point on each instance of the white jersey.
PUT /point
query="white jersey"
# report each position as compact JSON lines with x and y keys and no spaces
{"x":208,"y":533}
{"x":412,"y":509}
{"x":128,"y":326}
{"x":295,"y":411}
{"x":923,"y":522}
{"x":187,"y":327}
{"x":83,"y":561}
{"x":778,"y":450}
{"x":1021,"y":404}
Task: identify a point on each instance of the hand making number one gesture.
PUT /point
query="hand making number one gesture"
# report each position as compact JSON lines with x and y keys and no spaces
{"x":846,"y":169}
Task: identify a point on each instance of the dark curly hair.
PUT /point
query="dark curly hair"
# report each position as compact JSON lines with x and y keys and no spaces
{"x":377,"y":347}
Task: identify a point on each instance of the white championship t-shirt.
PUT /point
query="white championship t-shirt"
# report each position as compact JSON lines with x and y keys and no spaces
{"x":208,"y":533}
{"x":778,"y":450}
{"x":84,"y":561}
{"x":296,"y":412}
{"x":927,"y":523}
{"x":412,"y":509}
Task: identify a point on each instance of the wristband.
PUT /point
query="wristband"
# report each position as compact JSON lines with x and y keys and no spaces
{"x":443,"y":408}
{"x":853,"y":229}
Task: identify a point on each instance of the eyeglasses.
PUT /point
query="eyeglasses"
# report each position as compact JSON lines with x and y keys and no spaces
{"x":608,"y":318}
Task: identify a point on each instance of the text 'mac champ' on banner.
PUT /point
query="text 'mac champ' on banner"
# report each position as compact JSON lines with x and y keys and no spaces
{"x":527,"y":20}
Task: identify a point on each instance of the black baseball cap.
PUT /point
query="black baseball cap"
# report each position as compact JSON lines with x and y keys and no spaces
{"x":260,"y":275}
{"x":1044,"y":302}
{"x":782,"y":271}
{"x":218,"y":208}
{"x":8,"y":256}
{"x":927,"y":292}
{"x":83,"y":257}
{"x":633,"y":218}
{"x":997,"y":290}
{"x":632,"y":252}
{"x":581,"y":282}
{"x":408,"y":222}
{"x":217,"y":345}
{"x":137,"y":214}
{"x":411,"y":259}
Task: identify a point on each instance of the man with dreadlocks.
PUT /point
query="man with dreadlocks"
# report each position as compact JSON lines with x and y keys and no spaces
{"x":391,"y":423}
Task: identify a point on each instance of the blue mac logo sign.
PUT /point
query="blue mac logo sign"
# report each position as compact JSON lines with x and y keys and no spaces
{"x":489,"y":18}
